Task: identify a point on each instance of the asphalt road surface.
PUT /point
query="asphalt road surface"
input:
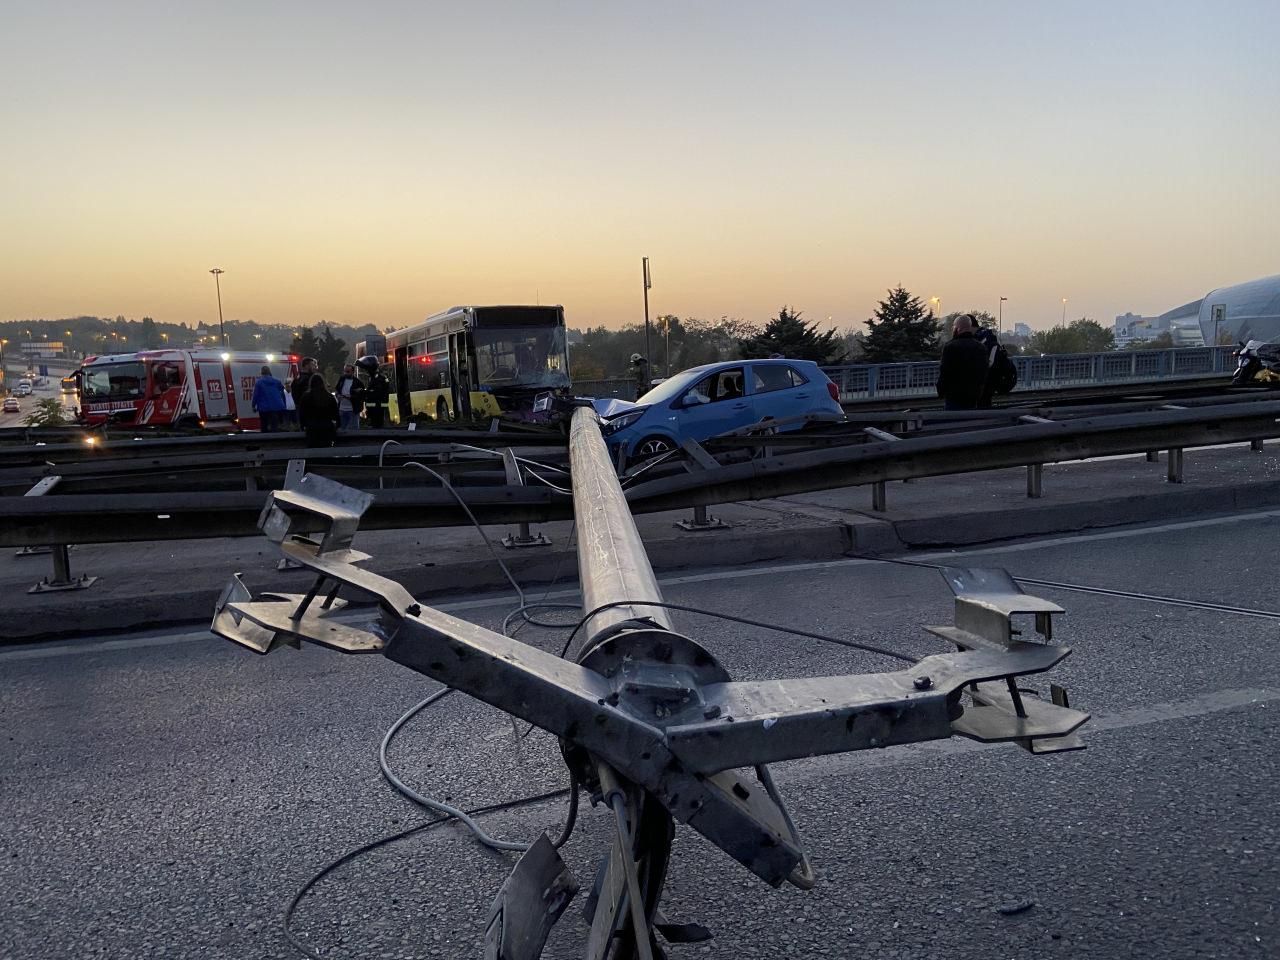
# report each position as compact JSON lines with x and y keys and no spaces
{"x":50,"y":388}
{"x":165,"y":795}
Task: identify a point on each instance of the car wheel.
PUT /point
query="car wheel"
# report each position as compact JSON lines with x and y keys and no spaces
{"x":650,"y":447}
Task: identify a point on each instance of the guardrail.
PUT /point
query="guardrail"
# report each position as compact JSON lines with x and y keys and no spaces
{"x":1051,"y":371}
{"x":130,"y":517}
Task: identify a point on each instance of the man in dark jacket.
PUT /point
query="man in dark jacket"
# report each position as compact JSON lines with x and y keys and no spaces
{"x":964,"y":368}
{"x":298,"y":389}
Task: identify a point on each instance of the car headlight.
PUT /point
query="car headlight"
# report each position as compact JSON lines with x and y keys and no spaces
{"x":621,"y":423}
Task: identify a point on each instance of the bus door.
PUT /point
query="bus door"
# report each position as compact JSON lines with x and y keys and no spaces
{"x":402,"y":384}
{"x":214,"y":385}
{"x":460,"y":376}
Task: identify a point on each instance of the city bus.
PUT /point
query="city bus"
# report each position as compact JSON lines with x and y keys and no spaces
{"x":475,"y":363}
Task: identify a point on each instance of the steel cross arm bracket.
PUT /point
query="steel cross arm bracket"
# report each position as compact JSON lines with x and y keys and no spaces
{"x":773,"y":720}
{"x":647,"y":718}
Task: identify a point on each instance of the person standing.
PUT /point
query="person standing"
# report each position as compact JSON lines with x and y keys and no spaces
{"x":640,"y":373}
{"x":298,"y":389}
{"x":318,"y":410}
{"x":963,"y":373}
{"x":377,"y":393}
{"x":350,"y":394}
{"x":268,"y":400}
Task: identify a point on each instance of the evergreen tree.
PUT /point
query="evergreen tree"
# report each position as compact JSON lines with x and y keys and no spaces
{"x":150,"y":335}
{"x":791,"y":337}
{"x":902,"y":329}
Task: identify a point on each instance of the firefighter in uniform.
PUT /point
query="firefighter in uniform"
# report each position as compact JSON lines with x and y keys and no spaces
{"x":377,"y":393}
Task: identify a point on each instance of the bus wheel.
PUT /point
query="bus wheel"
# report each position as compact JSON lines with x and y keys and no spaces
{"x":442,"y":409}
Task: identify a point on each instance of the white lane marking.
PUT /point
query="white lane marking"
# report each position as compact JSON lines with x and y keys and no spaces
{"x":100,"y":645}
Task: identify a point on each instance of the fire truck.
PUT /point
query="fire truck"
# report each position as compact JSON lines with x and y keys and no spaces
{"x":183,"y":388}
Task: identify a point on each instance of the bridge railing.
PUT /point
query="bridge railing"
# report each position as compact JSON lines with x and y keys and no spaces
{"x":920,"y":378}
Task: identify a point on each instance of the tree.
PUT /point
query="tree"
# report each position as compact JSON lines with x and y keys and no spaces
{"x":902,"y":329}
{"x":1079,"y":336}
{"x":1161,"y":341}
{"x":305,"y":343}
{"x":790,"y":336}
{"x":149,"y":335}
{"x":332,"y":356}
{"x":48,"y":412}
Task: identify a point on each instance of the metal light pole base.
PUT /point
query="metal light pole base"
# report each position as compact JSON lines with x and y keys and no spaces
{"x":702,"y":521}
{"x":523,"y":538}
{"x":54,"y":586}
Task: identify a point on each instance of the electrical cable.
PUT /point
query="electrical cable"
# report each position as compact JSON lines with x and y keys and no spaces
{"x":431,"y":824}
{"x":839,"y":641}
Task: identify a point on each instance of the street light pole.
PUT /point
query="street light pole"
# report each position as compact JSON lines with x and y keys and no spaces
{"x":217,"y":282}
{"x":1000,"y":318}
{"x":648,"y":356}
{"x":1064,"y":311}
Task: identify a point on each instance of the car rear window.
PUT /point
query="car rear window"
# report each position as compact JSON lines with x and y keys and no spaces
{"x":775,"y":376}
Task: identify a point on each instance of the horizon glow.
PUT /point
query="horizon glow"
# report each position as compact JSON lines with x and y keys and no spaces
{"x":379,"y":164}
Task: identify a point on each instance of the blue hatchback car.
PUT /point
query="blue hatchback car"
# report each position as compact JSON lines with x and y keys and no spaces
{"x":706,"y":401}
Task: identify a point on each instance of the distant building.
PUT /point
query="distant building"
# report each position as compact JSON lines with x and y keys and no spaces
{"x":1021,"y":330}
{"x":1250,"y":311}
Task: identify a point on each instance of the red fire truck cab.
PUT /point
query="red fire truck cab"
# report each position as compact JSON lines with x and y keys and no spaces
{"x":185,"y":388}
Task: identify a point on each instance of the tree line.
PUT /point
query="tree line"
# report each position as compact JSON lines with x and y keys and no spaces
{"x":902,"y":328}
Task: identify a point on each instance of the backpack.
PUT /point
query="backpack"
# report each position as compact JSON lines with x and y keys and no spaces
{"x":1004,"y":373}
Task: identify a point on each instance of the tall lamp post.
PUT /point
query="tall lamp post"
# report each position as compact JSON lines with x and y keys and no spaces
{"x":217,"y":282}
{"x":648,"y":356}
{"x":1064,"y":311}
{"x":937,"y":306}
{"x":1000,"y":318}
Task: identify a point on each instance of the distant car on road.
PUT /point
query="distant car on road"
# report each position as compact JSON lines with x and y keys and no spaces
{"x":24,"y":388}
{"x":706,"y":401}
{"x":11,"y":405}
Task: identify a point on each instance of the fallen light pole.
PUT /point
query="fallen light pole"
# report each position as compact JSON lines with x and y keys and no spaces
{"x":650,"y":723}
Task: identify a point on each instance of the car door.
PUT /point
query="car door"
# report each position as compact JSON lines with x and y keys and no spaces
{"x":721,"y":405}
{"x":779,"y":392}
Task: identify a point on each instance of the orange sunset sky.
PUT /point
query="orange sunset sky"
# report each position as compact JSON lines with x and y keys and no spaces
{"x":379,"y":162}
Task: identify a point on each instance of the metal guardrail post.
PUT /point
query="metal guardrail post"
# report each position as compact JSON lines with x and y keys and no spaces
{"x":39,"y":490}
{"x":879,"y":492}
{"x":61,"y":553}
{"x":1255,"y":446}
{"x":1175,"y":465}
{"x":522,"y":537}
{"x":1035,"y":480}
{"x":1153,"y":456}
{"x":696,"y":458}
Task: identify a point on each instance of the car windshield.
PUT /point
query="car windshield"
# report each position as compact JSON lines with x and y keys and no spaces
{"x":114,"y":381}
{"x":677,"y":386}
{"x":521,"y":357}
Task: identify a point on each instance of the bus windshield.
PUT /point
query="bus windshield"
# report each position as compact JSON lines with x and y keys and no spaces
{"x":521,"y":357}
{"x":114,"y":381}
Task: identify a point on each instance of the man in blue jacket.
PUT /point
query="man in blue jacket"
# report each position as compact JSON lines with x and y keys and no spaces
{"x":268,"y":400}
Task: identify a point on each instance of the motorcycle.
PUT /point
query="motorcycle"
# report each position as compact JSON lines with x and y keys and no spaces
{"x":1257,"y":362}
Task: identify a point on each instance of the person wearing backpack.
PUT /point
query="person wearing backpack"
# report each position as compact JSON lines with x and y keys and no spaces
{"x":1002,"y":374}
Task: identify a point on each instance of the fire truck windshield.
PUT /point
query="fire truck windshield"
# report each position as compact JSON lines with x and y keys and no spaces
{"x":114,"y":381}
{"x":521,"y":356}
